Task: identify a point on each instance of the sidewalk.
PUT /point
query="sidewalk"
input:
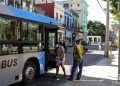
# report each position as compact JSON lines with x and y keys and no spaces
{"x":101,"y":74}
{"x":103,"y":69}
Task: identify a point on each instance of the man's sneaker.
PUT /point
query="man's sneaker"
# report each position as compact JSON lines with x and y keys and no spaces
{"x":77,"y":79}
{"x":57,"y":79}
{"x":70,"y":79}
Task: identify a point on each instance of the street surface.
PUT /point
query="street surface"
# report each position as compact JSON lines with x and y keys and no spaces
{"x":91,"y":58}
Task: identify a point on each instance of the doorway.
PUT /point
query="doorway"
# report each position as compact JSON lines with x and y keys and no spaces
{"x":51,"y":39}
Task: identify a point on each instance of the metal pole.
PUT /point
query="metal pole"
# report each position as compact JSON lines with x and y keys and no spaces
{"x":106,"y":53}
{"x":14,"y":3}
{"x":119,"y":46}
{"x":119,"y":55}
{"x":6,"y":2}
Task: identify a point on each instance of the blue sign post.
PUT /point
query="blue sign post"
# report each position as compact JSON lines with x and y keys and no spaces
{"x":119,"y":7}
{"x":41,"y":57}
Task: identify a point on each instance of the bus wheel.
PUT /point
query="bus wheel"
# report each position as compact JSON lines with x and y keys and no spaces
{"x":29,"y":72}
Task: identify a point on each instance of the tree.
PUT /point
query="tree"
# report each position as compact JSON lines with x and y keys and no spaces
{"x":114,"y":9}
{"x":96,"y":28}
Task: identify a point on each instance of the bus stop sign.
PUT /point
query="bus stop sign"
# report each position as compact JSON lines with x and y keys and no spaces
{"x":119,"y":7}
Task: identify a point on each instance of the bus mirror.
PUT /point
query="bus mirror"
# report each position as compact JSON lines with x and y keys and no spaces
{"x":39,"y":44}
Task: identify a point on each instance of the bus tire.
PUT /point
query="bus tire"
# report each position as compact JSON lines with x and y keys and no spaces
{"x":29,"y":72}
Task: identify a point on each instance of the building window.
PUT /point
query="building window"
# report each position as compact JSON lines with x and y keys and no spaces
{"x":10,"y":2}
{"x":18,"y":4}
{"x":42,"y":0}
{"x":78,"y":5}
{"x":66,"y":5}
{"x":2,"y":2}
{"x":70,"y":24}
{"x":59,"y":36}
{"x":61,"y":16}
{"x":57,"y":16}
{"x":28,"y":2}
{"x":65,"y":21}
{"x":71,"y":5}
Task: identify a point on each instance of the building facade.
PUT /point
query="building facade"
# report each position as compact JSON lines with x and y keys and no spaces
{"x":22,"y":4}
{"x":43,"y":1}
{"x":80,"y":6}
{"x":68,"y":26}
{"x":83,"y":18}
{"x":94,"y":39}
{"x":75,"y":26}
{"x":55,"y":11}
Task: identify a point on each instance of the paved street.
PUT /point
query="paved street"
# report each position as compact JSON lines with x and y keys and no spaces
{"x":97,"y":71}
{"x":91,"y":57}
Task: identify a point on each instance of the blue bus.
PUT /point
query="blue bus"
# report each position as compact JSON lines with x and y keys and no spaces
{"x":27,"y":43}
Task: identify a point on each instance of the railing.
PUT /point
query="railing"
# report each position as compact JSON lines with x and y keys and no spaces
{"x":38,"y":10}
{"x":67,"y":27}
{"x":17,"y":4}
{"x":77,"y":27}
{"x":61,"y":24}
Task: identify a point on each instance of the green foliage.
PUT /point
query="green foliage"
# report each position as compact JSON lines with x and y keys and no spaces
{"x":114,"y":10}
{"x":96,"y":28}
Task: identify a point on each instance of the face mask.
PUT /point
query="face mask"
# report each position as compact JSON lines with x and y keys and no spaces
{"x":56,"y":45}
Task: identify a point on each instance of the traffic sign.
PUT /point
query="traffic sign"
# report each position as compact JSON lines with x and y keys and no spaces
{"x":119,"y":7}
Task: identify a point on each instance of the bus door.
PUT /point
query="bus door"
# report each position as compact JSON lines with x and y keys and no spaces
{"x":51,"y":54}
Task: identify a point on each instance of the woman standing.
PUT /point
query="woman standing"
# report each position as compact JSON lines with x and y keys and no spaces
{"x":61,"y":55}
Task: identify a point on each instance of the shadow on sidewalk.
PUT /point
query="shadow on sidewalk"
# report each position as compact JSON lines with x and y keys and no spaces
{"x":50,"y":80}
{"x":95,"y":81}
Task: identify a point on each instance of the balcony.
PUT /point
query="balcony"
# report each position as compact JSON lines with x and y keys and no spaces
{"x":18,"y":4}
{"x":77,"y":28}
{"x":61,"y":25}
{"x":64,"y":25}
{"x":38,"y":10}
{"x":69,"y":27}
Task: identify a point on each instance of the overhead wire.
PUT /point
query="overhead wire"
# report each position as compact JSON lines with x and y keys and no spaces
{"x":101,"y":6}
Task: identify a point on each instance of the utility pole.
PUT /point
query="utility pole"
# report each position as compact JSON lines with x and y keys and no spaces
{"x":106,"y":53}
{"x":119,"y":55}
{"x":6,"y":2}
{"x":119,"y":47}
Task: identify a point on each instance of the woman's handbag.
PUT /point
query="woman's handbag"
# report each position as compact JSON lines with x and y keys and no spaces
{"x":58,"y":61}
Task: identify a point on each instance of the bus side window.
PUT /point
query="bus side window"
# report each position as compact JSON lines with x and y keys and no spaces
{"x":1,"y":49}
{"x":20,"y":49}
{"x":9,"y":48}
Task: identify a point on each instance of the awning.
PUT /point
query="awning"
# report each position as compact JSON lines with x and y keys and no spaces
{"x":23,"y":14}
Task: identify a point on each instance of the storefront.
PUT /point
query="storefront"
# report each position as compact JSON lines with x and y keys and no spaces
{"x":61,"y":34}
{"x":69,"y":37}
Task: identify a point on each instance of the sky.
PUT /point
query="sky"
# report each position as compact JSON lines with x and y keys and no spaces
{"x":95,"y":12}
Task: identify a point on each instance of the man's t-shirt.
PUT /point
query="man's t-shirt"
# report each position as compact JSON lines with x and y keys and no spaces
{"x":79,"y":51}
